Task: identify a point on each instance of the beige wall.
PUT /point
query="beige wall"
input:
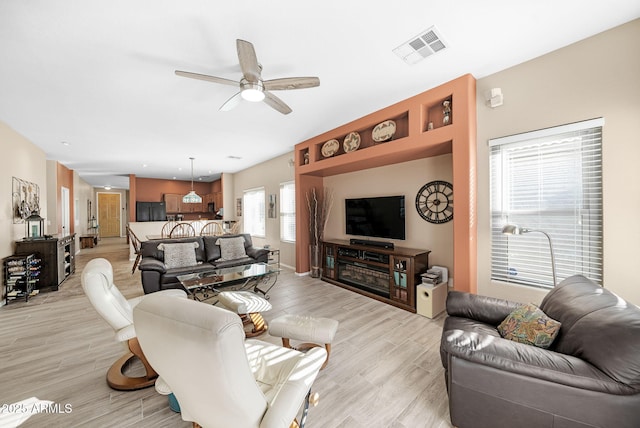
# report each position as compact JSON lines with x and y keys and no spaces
{"x":228,"y":197}
{"x":28,"y":162}
{"x":22,"y":160}
{"x":25,"y":161}
{"x":269,"y":175}
{"x":596,"y":77}
{"x":51,"y":202}
{"x":82,"y":192}
{"x":401,"y":179}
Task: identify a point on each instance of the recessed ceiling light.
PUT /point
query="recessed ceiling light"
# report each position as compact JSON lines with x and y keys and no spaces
{"x":64,"y":143}
{"x":144,"y":165}
{"x":107,"y":187}
{"x":234,"y":157}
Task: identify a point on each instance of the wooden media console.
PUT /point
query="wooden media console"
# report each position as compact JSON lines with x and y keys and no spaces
{"x":386,"y":274}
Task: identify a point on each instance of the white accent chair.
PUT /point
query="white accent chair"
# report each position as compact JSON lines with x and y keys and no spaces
{"x":97,"y":283}
{"x":219,"y":379}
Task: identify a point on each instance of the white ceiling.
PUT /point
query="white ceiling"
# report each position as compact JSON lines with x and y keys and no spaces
{"x":99,"y":74}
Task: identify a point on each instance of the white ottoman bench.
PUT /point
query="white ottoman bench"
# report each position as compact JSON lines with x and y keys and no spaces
{"x":317,"y":331}
{"x":248,"y":306}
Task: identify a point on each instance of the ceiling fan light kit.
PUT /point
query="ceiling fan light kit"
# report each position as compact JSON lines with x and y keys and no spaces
{"x":252,"y":87}
{"x":253,"y":92}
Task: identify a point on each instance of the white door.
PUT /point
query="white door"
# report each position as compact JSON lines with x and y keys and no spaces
{"x":66,"y":208}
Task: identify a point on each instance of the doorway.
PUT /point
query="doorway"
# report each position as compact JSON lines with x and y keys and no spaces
{"x":109,"y":215}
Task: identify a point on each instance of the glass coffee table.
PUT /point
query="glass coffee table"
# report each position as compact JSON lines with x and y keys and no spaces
{"x":260,"y":277}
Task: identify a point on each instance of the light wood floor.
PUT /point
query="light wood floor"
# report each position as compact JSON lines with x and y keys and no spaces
{"x":384,"y":371}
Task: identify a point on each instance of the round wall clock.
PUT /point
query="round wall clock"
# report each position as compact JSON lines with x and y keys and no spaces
{"x":434,"y":202}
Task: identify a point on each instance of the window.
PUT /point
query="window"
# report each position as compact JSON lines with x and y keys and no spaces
{"x":548,"y":180}
{"x":288,"y":212}
{"x":253,"y":202}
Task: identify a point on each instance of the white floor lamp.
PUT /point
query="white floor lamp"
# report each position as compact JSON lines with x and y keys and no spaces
{"x":512,"y":229}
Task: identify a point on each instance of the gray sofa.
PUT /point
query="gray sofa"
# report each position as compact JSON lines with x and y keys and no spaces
{"x":588,"y":377}
{"x":156,"y":276}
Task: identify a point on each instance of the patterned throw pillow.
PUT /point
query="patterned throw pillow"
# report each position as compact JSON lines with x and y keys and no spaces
{"x":528,"y":324}
{"x":178,"y":255}
{"x":231,"y":248}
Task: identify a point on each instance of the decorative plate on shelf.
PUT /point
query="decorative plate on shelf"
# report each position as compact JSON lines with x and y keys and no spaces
{"x":384,"y":131}
{"x":330,"y":148}
{"x":351,"y":142}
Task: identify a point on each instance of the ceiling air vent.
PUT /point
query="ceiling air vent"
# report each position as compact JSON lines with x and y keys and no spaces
{"x":421,"y":46}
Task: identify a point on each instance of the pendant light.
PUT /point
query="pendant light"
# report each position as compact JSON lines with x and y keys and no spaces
{"x":192,"y":197}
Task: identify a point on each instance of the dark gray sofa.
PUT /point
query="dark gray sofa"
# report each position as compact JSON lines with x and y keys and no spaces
{"x":156,"y":277}
{"x":589,"y":377}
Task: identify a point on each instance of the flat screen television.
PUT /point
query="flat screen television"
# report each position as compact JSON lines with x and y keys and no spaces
{"x":378,"y":217}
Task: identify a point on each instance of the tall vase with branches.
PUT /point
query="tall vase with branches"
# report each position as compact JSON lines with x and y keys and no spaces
{"x":319,"y":204}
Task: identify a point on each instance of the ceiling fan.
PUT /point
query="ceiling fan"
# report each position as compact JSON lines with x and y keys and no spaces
{"x":252,"y":87}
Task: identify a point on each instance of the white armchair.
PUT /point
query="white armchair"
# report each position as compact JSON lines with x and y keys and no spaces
{"x":117,"y":311}
{"x":219,"y":379}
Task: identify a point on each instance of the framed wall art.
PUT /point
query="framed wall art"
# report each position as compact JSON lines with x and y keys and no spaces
{"x":25,"y":199}
{"x":272,"y":213}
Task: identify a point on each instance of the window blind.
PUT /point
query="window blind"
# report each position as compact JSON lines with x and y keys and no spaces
{"x":253,"y":202}
{"x":288,"y":211}
{"x":549,"y":180}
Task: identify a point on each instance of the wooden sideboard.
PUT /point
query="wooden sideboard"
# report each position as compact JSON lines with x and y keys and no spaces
{"x":58,"y":259}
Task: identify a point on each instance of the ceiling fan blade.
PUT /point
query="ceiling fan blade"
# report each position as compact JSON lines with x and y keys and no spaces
{"x":231,"y":102}
{"x":207,"y":78}
{"x":276,"y":103}
{"x":248,"y":61}
{"x":291,"y":83}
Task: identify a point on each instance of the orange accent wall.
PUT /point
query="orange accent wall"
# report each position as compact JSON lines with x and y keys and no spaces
{"x":64,"y":178}
{"x":153,"y":190}
{"x":413,"y":140}
{"x":132,"y":198}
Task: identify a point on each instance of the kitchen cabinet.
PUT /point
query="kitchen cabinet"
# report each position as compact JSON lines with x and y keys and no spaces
{"x":172,"y":202}
{"x":174,"y":205}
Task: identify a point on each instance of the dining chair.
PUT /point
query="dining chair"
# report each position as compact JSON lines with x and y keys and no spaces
{"x":182,"y":230}
{"x":235,"y":228}
{"x":211,"y":228}
{"x":167,"y":228}
{"x":137,"y":248}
